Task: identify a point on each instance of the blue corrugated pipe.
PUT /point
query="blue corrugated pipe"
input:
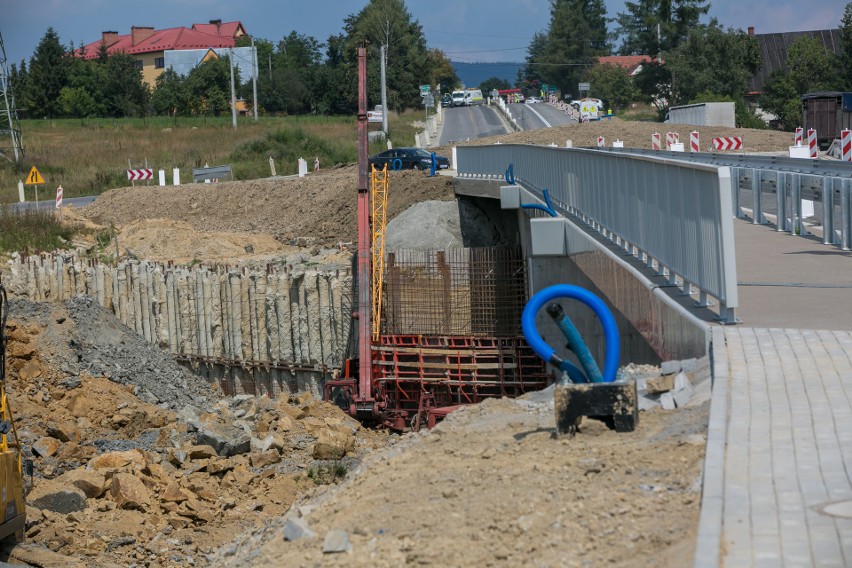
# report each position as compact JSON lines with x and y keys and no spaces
{"x":547,"y":353}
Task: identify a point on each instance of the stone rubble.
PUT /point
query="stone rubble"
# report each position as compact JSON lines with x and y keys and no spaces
{"x":129,"y":470}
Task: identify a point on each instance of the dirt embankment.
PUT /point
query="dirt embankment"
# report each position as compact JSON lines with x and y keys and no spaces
{"x":137,"y":460}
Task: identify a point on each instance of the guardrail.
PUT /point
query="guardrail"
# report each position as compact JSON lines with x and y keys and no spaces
{"x":674,"y":215}
{"x":790,"y":180}
{"x":212,"y":172}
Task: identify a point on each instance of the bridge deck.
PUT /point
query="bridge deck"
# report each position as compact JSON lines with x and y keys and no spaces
{"x":778,"y":473}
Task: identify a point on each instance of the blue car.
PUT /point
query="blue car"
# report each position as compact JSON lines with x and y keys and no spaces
{"x":408,"y":159}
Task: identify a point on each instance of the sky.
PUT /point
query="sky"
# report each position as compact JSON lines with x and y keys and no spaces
{"x":466,"y":30}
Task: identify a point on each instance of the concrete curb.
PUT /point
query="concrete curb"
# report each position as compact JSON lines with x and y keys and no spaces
{"x":708,"y":543}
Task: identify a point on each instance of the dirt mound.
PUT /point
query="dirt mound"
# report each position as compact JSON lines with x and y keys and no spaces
{"x":320,"y":209}
{"x":122,"y":478}
{"x":491,"y":486}
{"x":638,"y":135}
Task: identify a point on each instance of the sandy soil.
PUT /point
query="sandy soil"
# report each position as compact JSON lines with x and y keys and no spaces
{"x":494,"y":486}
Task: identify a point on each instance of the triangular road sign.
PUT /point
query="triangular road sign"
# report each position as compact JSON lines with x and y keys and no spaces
{"x":34,"y":178}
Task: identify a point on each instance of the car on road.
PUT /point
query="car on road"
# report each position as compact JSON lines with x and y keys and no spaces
{"x":408,"y":159}
{"x":447,"y":100}
{"x":533,"y":100}
{"x":459,"y":98}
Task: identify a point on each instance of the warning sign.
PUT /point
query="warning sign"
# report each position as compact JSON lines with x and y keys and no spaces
{"x":34,"y":178}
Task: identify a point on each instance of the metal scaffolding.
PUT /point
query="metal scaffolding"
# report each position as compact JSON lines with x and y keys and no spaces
{"x":11,"y":146}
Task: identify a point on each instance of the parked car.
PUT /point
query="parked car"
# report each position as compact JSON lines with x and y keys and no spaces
{"x":408,"y":159}
{"x":447,"y":100}
{"x":533,"y":100}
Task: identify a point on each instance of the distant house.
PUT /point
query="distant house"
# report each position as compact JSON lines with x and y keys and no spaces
{"x":149,"y":46}
{"x":773,"y":52}
{"x":632,"y":63}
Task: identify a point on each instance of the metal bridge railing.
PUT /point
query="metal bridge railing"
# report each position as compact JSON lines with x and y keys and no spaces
{"x":672,"y":214}
{"x":789,"y":181}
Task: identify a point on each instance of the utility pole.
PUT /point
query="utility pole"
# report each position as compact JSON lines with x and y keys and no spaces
{"x":383,"y":54}
{"x":233,"y":92}
{"x":254,"y":78}
{"x":7,"y":108}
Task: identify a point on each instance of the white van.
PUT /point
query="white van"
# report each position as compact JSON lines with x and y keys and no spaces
{"x":473,"y":97}
{"x":459,"y":99}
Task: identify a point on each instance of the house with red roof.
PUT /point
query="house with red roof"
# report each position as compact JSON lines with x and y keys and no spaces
{"x":148,"y":45}
{"x":632,"y":63}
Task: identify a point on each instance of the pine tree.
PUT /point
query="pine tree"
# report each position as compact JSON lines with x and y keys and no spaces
{"x":48,"y":75}
{"x":638,"y":26}
{"x":575,"y":37}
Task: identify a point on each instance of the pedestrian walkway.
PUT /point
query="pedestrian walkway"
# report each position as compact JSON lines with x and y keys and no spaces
{"x":777,"y":486}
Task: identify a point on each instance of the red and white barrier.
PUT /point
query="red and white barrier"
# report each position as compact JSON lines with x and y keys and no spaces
{"x":655,"y":141}
{"x":797,"y":139}
{"x":812,"y":142}
{"x":694,"y":141}
{"x":59,"y":197}
{"x":728,"y":143}
{"x":670,"y":139}
{"x":135,"y":175}
{"x":846,"y":145}
{"x":601,"y":142}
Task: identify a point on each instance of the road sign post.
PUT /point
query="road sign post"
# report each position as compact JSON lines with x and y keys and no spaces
{"x":34,"y":178}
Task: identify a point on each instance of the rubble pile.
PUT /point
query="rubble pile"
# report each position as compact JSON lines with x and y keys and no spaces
{"x":132,"y":470}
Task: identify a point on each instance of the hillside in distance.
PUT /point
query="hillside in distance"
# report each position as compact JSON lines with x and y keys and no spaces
{"x":472,"y":74}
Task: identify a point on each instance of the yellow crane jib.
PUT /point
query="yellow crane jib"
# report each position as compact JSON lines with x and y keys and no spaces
{"x":379,"y":195}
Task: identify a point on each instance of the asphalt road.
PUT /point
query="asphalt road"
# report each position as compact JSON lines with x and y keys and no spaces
{"x":470,"y":123}
{"x":50,"y":204}
{"x":536,"y":116}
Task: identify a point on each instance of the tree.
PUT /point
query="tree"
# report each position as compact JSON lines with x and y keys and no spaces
{"x":208,"y":87}
{"x":712,"y":60}
{"x":389,"y":23}
{"x":810,"y":67}
{"x":492,"y":83}
{"x":48,"y":75}
{"x":83,"y":96}
{"x":170,"y":94}
{"x":575,"y":37}
{"x":442,"y":71}
{"x":125,"y":94}
{"x":638,"y":26}
{"x":844,"y":59}
{"x":612,"y":84}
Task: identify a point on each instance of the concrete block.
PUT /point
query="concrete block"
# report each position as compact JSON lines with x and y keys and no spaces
{"x":648,"y":401}
{"x":689,"y":365}
{"x":510,"y":197}
{"x":667,"y":401}
{"x":670,"y":367}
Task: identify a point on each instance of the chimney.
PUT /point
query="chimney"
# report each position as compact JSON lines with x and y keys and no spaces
{"x":751,"y":30}
{"x":218,"y":24}
{"x":139,"y":34}
{"x":109,"y":38}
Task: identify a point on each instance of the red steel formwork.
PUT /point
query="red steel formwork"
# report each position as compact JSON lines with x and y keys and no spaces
{"x":452,"y":371}
{"x":451,"y":332}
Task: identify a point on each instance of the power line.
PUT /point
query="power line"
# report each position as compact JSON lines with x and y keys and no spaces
{"x":499,"y":36}
{"x":485,"y":50}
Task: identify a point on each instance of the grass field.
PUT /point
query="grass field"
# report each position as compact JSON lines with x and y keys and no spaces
{"x":90,"y":156}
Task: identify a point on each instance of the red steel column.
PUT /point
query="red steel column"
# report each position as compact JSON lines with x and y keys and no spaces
{"x":365,"y":367}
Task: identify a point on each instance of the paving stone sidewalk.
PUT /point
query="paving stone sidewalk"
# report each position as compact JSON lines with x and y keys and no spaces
{"x":779,"y":454}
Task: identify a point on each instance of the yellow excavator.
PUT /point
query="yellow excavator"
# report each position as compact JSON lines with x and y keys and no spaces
{"x":12,"y":508}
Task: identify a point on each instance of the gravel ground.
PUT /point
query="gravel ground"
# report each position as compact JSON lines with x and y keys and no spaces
{"x":89,"y":339}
